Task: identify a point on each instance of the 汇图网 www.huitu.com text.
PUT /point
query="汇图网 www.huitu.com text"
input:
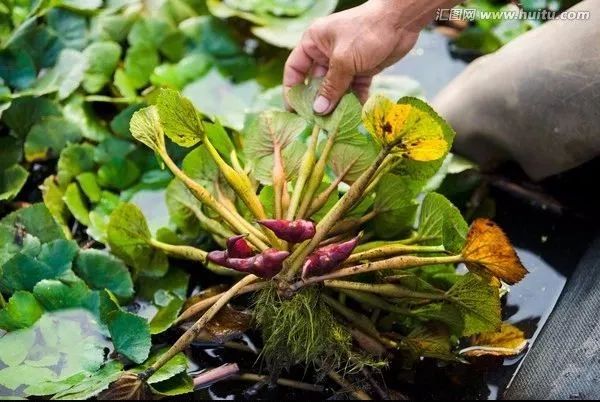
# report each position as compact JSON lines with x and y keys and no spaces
{"x":471,"y":14}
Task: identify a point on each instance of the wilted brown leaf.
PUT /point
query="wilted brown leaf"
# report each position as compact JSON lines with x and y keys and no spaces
{"x":510,"y":341}
{"x":128,"y":387}
{"x":228,"y":324}
{"x":489,"y":250}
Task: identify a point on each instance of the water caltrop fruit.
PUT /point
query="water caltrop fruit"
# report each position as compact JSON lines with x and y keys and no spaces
{"x":238,"y":247}
{"x":291,"y":231}
{"x":326,"y":259}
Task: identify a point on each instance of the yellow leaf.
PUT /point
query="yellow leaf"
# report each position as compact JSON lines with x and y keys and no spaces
{"x":410,"y":127}
{"x":510,"y":341}
{"x":488,"y":249}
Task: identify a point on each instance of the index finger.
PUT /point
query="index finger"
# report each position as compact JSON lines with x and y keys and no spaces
{"x":296,"y":69}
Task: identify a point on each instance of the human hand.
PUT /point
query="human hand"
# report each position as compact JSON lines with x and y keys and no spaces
{"x":348,"y":48}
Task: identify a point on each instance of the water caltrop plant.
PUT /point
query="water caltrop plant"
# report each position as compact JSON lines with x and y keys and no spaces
{"x":329,"y":222}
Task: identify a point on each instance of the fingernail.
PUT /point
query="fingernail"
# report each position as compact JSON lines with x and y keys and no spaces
{"x":319,"y":71}
{"x":321,"y":104}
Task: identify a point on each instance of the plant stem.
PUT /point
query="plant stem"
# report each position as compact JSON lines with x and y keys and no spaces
{"x":280,"y":381}
{"x":400,"y":262}
{"x":316,"y":177}
{"x":209,"y":224}
{"x":386,"y":290}
{"x":184,"y":252}
{"x":2,"y":301}
{"x":384,"y":167}
{"x":334,"y":215}
{"x":308,"y":160}
{"x":374,"y":301}
{"x":356,"y":392}
{"x":322,"y":198}
{"x":392,"y":250}
{"x":240,"y":183}
{"x":347,"y":225}
{"x":278,"y":180}
{"x":206,"y":303}
{"x":238,"y":223}
{"x":108,"y":99}
{"x":211,"y":376}
{"x":188,"y":337}
{"x":359,"y":320}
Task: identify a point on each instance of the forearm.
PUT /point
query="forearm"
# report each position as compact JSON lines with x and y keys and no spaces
{"x":416,"y":13}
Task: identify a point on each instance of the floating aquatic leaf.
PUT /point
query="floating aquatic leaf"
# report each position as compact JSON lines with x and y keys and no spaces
{"x":102,"y":59}
{"x":37,"y":221}
{"x":355,"y":150}
{"x":176,"y":365}
{"x":48,"y":138}
{"x":74,"y":160}
{"x":25,"y":112}
{"x":118,"y":174}
{"x":166,"y":315}
{"x":89,"y":185}
{"x":140,"y":61}
{"x":395,"y":205}
{"x":103,"y":271}
{"x":12,"y":180}
{"x":488,"y":250}
{"x":22,"y":311}
{"x":129,"y":237}
{"x":429,"y":341}
{"x":77,"y":204}
{"x":55,"y":295}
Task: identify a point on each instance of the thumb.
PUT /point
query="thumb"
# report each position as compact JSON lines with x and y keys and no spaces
{"x":334,"y":85}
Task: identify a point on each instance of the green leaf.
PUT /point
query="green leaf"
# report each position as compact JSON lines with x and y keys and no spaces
{"x":140,"y":61}
{"x":37,"y":221}
{"x":478,"y":302}
{"x":355,"y":150}
{"x":395,"y":205}
{"x":118,"y":174}
{"x":120,"y":123}
{"x":52,"y":195}
{"x":442,"y":223}
{"x":103,"y":271}
{"x":125,"y":85}
{"x":12,"y":180}
{"x":178,"y":364}
{"x":113,"y":148}
{"x":129,"y":239}
{"x":83,"y":5}
{"x":183,"y":208}
{"x":74,"y":160}
{"x":56,"y":295}
{"x":48,"y":138}
{"x":69,"y":27}
{"x":175,"y":282}
{"x":102,"y":59}
{"x":26,"y":112}
{"x":344,"y":119}
{"x":130,"y":334}
{"x":77,"y":204}
{"x":229,"y":102}
{"x":13,"y":377}
{"x":89,"y":185}
{"x":165,"y":316}
{"x":11,"y":151}
{"x":15,"y":346}
{"x":22,"y":311}
{"x":177,"y":385}
{"x":179,"y":118}
{"x":14,"y":240}
{"x":17,"y":68}
{"x":178,"y":75}
{"x":145,"y":127}
{"x":58,"y":255}
{"x":443,"y":313}
{"x":65,"y":77}
{"x":80,"y":112}
{"x":431,"y":342}
{"x":79,"y":386}
{"x":199,"y":165}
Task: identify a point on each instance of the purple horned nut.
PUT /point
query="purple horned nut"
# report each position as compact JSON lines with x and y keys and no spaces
{"x":326,"y":259}
{"x":241,"y":264}
{"x":269,"y":263}
{"x":291,"y":231}
{"x":238,"y":247}
{"x":218,"y":257}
